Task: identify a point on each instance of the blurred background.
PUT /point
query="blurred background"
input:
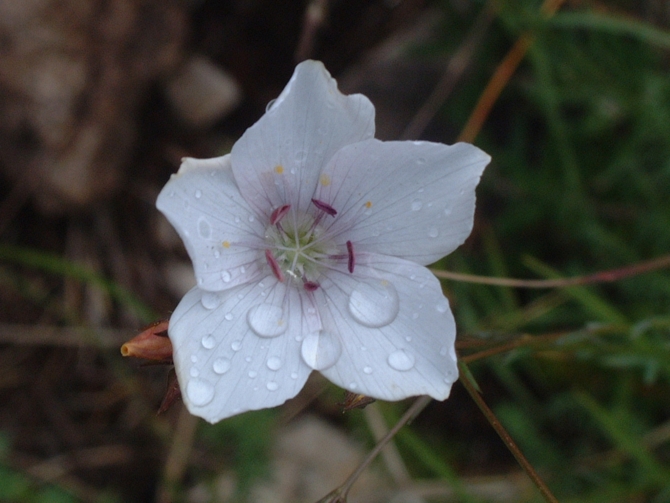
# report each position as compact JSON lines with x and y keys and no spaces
{"x":99,"y":100}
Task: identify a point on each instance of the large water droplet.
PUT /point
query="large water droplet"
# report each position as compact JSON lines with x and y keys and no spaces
{"x":273,"y":363}
{"x":267,"y":320}
{"x":433,"y":232}
{"x":272,"y":386}
{"x":199,"y":392}
{"x":320,"y":350}
{"x":417,"y":205}
{"x":210,"y":300}
{"x":401,"y":360}
{"x":204,"y":229}
{"x":374,"y":304}
{"x":226,"y":277}
{"x":208,"y":341}
{"x":221,"y":365}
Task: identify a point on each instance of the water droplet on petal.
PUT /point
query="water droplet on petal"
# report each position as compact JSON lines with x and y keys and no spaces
{"x":236,"y":345}
{"x":251,"y":218}
{"x":374,"y":304}
{"x":294,"y":375}
{"x":199,"y":392}
{"x":415,"y":316}
{"x":421,"y":160}
{"x":267,"y":320}
{"x":401,"y":360}
{"x":194,"y":359}
{"x":208,"y":341}
{"x":228,"y":316}
{"x":273,"y":363}
{"x":204,"y":229}
{"x":198,"y":194}
{"x":452,"y":353}
{"x":252,"y":374}
{"x":442,"y":306}
{"x":433,"y":232}
{"x":194,"y":372}
{"x":243,"y":270}
{"x":417,"y":205}
{"x":210,"y":300}
{"x":320,"y":350}
{"x":237,"y":219}
{"x":270,"y":105}
{"x":367,"y":370}
{"x":272,"y":386}
{"x":225,"y":276}
{"x":447,"y":210}
{"x":443,"y":351}
{"x":353,"y":385}
{"x":248,"y":359}
{"x":217,"y":253}
{"x":221,"y":365}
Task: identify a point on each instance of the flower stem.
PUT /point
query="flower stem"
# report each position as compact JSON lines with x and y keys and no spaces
{"x":598,"y":277}
{"x":471,"y":387}
{"x":339,"y":495}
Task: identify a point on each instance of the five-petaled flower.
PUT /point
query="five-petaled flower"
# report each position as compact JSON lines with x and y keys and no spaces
{"x":309,"y":243}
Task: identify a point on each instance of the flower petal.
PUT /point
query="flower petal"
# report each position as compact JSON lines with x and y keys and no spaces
{"x":396,"y":330}
{"x":278,"y":160}
{"x":219,"y":229}
{"x":224,"y":367}
{"x":414,"y":200}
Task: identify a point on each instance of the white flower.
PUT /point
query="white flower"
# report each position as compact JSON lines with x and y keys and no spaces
{"x":309,"y":242}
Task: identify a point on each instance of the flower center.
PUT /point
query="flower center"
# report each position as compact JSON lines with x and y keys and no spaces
{"x":300,"y":248}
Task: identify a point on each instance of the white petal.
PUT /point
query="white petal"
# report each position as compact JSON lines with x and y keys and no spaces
{"x":279,"y":159}
{"x":400,"y":341}
{"x":414,"y":200}
{"x":217,"y":226}
{"x":223,"y":366}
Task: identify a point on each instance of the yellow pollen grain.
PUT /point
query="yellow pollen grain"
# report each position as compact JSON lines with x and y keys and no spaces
{"x":325,"y":180}
{"x":226,"y":244}
{"x":279,"y":169}
{"x":368,"y":205}
{"x":384,"y":283}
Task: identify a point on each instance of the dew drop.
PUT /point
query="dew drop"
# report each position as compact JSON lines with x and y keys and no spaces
{"x":417,"y":205}
{"x":401,"y":360}
{"x":270,"y":105}
{"x":367,"y":370}
{"x":217,"y":254}
{"x":252,"y":374}
{"x":452,"y":353}
{"x":272,"y":386}
{"x":236,"y":345}
{"x":408,"y":339}
{"x":210,"y":300}
{"x":267,"y":320}
{"x":442,"y":306}
{"x":194,"y":359}
{"x":228,"y":316}
{"x":248,"y":359}
{"x":194,"y":372}
{"x":199,"y":392}
{"x":320,"y":350}
{"x":415,"y":316}
{"x":421,"y":160}
{"x":208,"y":341}
{"x":243,"y":270}
{"x":251,"y":218}
{"x":221,"y":365}
{"x":204,"y":229}
{"x":225,"y":276}
{"x":433,"y":232}
{"x":237,"y":219}
{"x":273,"y":363}
{"x":374,"y":304}
{"x":198,"y":194}
{"x":447,"y":210}
{"x":294,"y":375}
{"x":353,"y":385}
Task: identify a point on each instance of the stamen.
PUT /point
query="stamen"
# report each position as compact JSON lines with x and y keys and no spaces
{"x":351,"y":263}
{"x":274,"y":265}
{"x":310,"y":286}
{"x":325,"y":207}
{"x":279,"y":213}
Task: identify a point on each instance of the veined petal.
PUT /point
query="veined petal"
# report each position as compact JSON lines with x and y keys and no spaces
{"x":414,"y":200}
{"x":395,"y":327}
{"x":278,"y":160}
{"x":224,"y":367}
{"x":219,"y":229}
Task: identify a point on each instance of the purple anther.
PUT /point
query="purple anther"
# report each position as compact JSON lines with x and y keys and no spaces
{"x":325,"y":207}
{"x":274,"y":265}
{"x":279,"y":213}
{"x":352,"y":258}
{"x":310,"y":286}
